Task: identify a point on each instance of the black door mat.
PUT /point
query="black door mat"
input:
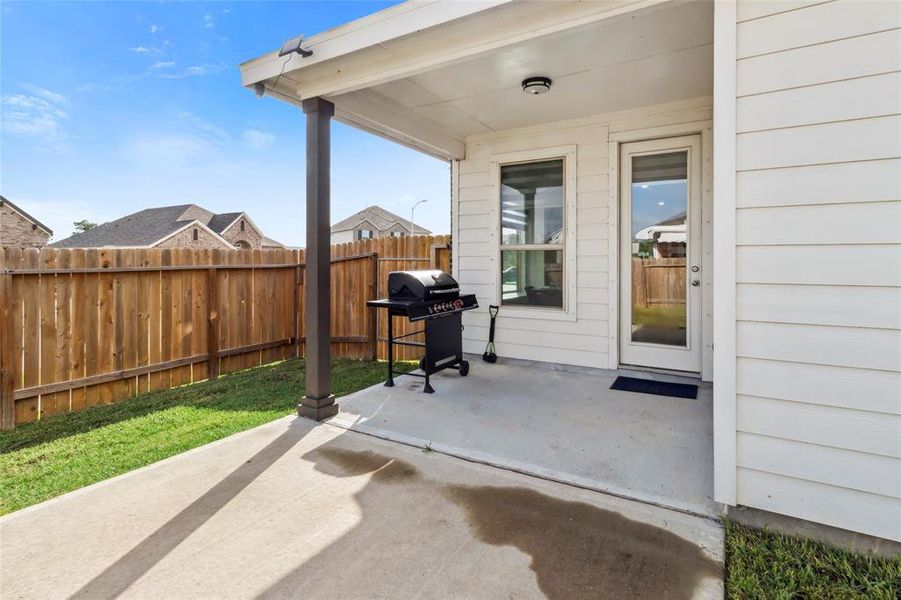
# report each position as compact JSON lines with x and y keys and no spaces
{"x":658,"y":388}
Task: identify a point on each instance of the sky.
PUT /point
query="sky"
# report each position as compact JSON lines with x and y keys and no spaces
{"x":111,"y":107}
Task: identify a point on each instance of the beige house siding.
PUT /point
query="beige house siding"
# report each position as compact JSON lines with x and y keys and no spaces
{"x":250,"y":235}
{"x":585,"y":336}
{"x":18,"y":232}
{"x":818,"y":262}
{"x":185,"y":239}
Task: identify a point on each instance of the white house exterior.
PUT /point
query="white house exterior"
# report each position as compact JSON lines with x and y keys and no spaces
{"x":776,"y":126}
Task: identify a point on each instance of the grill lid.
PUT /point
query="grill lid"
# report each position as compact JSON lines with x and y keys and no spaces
{"x":421,"y":285}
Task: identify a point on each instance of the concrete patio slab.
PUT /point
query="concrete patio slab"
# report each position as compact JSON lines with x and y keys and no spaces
{"x":292,"y":509}
{"x":560,"y":423}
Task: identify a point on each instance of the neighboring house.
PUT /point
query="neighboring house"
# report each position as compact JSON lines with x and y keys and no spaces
{"x":780,"y":121}
{"x":182,"y":226}
{"x":667,"y":239}
{"x":370,"y":223}
{"x":18,"y":229}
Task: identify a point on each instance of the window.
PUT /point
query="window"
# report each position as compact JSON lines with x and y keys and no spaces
{"x":397,"y":234}
{"x":195,"y":234}
{"x":242,"y":224}
{"x":364,"y":234}
{"x":532,"y":233}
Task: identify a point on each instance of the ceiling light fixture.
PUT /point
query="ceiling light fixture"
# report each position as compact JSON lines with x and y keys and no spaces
{"x":536,"y":85}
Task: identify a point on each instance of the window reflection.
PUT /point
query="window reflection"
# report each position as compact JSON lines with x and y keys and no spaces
{"x":532,"y":233}
{"x":659,"y":248}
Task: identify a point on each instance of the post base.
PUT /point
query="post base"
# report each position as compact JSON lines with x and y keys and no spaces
{"x":317,"y":409}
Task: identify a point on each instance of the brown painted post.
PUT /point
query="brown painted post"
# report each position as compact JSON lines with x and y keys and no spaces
{"x":318,"y":401}
{"x":212,"y":331}
{"x":7,"y":364}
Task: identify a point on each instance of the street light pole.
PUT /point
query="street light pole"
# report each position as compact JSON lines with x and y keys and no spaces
{"x":412,"y":230}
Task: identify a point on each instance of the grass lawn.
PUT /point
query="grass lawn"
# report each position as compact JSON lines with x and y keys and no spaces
{"x":762,"y":564}
{"x":67,"y":451}
{"x":670,"y":316}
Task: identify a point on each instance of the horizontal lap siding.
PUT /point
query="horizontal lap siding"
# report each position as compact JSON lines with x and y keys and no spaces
{"x":585,"y":340}
{"x":818,"y":262}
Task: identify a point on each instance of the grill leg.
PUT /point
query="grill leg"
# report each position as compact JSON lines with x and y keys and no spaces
{"x":390,"y":382}
{"x":428,"y":389}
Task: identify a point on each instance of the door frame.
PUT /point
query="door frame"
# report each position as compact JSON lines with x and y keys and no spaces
{"x":704,"y":128}
{"x":652,"y":355}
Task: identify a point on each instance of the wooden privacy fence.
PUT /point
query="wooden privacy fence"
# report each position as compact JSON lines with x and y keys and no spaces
{"x":658,"y":281}
{"x":81,"y":327}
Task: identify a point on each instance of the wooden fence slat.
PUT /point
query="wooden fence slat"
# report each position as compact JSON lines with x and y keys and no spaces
{"x":82,"y":327}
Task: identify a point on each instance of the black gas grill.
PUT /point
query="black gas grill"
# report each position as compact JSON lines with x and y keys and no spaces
{"x":433,"y":297}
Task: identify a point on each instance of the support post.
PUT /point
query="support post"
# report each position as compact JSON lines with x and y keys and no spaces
{"x":7,"y":363}
{"x":318,"y":401}
{"x":212,"y":327}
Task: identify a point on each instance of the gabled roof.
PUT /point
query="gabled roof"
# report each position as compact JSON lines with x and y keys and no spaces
{"x":148,"y":227}
{"x":4,"y":200}
{"x":220,"y":223}
{"x":380,"y":218}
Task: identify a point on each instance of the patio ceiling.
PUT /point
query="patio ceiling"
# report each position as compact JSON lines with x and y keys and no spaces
{"x":434,"y":87}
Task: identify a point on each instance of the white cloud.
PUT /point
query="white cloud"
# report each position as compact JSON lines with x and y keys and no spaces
{"x":203,"y":127}
{"x":140,"y":49}
{"x":38,"y":115}
{"x":155,"y":29}
{"x":195,"y":71}
{"x":208,"y":21}
{"x":46,"y":94}
{"x":162,"y":64}
{"x":257,"y":140}
{"x":155,"y":149}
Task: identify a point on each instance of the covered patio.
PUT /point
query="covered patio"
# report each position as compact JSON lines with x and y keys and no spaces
{"x":542,"y":224}
{"x":555,"y":422}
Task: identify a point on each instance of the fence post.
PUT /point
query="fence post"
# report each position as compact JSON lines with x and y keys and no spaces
{"x":212,"y":332}
{"x":373,"y":317}
{"x":297,"y":298}
{"x":7,"y":365}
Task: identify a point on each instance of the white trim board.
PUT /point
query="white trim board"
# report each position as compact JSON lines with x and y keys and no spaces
{"x":724,"y":232}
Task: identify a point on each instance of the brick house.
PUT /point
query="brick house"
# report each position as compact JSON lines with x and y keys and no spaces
{"x":19,"y":229}
{"x":373,"y":222}
{"x":181,"y":226}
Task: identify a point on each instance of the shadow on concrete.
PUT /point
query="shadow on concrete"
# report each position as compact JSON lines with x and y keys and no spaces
{"x":116,"y":578}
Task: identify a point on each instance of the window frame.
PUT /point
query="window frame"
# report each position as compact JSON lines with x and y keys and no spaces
{"x":568,"y":155}
{"x":359,"y":237}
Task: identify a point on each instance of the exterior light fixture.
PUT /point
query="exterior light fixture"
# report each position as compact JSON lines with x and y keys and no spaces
{"x":292,"y":46}
{"x":536,"y":85}
{"x":259,"y":88}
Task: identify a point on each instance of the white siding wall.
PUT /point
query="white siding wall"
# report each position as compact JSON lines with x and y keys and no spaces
{"x":584,"y":340}
{"x":818,"y":264}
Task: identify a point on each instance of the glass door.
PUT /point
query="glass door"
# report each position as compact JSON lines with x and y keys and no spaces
{"x":660,"y":278}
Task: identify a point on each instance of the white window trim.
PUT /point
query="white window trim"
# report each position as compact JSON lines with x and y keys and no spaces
{"x":568,"y":154}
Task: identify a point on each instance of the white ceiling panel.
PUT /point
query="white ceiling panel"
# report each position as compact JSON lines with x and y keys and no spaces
{"x":653,"y":56}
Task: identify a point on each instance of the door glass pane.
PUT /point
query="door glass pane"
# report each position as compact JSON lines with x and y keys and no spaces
{"x":532,"y":277}
{"x":659,"y":248}
{"x":532,"y":203}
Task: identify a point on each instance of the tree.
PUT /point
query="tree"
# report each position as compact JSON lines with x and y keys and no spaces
{"x":83,"y":225}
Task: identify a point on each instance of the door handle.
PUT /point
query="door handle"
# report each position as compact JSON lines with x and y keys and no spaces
{"x":695,"y":282}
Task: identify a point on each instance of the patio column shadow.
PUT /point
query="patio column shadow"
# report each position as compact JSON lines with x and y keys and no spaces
{"x":116,"y":578}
